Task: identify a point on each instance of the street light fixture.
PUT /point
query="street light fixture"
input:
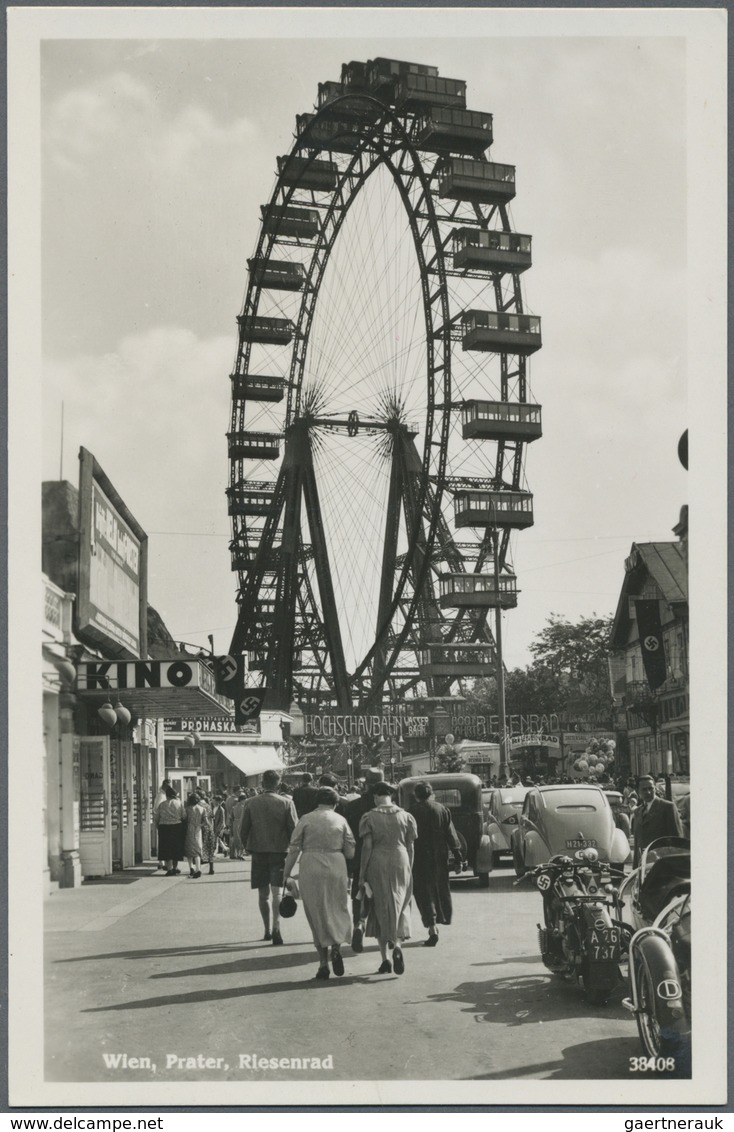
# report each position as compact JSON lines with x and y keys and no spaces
{"x":297,"y":720}
{"x":440,"y":718}
{"x":504,"y":767}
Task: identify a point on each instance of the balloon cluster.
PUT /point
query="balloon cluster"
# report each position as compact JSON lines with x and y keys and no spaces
{"x":596,"y":759}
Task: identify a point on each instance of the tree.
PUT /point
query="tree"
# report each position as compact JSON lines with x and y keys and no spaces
{"x":576,"y":654}
{"x":535,"y":689}
{"x":569,"y":673}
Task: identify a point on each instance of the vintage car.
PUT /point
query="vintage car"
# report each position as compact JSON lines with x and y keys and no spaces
{"x":502,"y":817}
{"x":563,"y":819}
{"x":462,"y":795}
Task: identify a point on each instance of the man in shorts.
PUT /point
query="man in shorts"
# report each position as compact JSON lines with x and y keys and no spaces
{"x":267,"y":823}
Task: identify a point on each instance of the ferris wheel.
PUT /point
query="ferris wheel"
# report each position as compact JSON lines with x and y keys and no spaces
{"x":381,"y":401}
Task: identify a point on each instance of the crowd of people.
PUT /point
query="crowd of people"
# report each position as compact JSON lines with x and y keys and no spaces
{"x":362,"y":858}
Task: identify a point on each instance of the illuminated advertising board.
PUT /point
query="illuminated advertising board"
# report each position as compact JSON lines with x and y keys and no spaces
{"x":113,"y":559}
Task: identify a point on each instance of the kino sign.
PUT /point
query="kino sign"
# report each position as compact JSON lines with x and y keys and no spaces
{"x":121,"y":675}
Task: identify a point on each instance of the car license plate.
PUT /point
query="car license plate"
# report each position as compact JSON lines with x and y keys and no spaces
{"x":579,"y":843}
{"x":603,"y":943}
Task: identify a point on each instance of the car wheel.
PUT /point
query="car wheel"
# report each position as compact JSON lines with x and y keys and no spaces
{"x":483,"y":879}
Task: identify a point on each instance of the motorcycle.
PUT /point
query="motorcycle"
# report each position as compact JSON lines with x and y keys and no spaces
{"x":658,"y":898}
{"x":663,"y":873}
{"x":584,"y":936}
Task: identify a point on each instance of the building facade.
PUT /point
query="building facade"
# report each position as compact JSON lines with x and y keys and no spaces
{"x":651,"y":694}
{"x":111,"y":671}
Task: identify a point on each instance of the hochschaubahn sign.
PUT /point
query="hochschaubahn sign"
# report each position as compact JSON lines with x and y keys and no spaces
{"x":361,"y":727}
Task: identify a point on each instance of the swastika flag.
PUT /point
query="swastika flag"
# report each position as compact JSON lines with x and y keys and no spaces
{"x":651,"y":642}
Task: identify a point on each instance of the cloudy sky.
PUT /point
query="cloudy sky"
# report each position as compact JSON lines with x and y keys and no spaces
{"x":157,"y":154}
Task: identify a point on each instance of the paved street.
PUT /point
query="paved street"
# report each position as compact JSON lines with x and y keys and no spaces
{"x":162,"y":968}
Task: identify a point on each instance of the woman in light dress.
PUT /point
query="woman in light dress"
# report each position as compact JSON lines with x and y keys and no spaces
{"x":236,"y":848}
{"x":196,"y":819}
{"x":324,"y":842}
{"x":387,"y":834}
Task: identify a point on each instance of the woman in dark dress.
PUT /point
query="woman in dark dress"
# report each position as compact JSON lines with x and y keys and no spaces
{"x":170,"y":822}
{"x":437,"y":838}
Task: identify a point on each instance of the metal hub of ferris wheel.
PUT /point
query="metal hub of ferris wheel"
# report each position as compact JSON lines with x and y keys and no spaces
{"x":381,"y":399}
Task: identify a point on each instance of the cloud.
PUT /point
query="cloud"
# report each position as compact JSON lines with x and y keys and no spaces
{"x":155,"y":412}
{"x":87,"y":119}
{"x":119,"y":114}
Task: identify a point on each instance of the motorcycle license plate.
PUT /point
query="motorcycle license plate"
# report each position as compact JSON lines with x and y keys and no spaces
{"x":603,"y":944}
{"x":580,"y":843}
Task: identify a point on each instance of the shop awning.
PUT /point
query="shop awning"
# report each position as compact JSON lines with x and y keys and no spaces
{"x":251,"y":759}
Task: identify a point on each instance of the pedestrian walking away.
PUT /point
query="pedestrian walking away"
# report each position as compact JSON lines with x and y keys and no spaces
{"x":354,"y":811}
{"x":160,"y":797}
{"x":219,"y":822}
{"x":388,"y":833}
{"x":323,"y":841}
{"x":208,"y":838}
{"x":193,"y":847}
{"x":437,"y":839}
{"x":170,"y":823}
{"x":654,"y":817}
{"x":304,"y":796}
{"x":236,"y":846}
{"x":332,"y":781}
{"x":268,"y":820}
{"x":234,"y":798}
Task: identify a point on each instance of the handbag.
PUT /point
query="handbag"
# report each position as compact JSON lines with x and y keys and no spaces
{"x":288,"y":904}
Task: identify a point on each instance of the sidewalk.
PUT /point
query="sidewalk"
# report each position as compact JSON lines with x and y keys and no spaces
{"x":155,"y":978}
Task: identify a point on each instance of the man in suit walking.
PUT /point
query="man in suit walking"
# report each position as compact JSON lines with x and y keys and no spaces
{"x":305,"y":796}
{"x":653,"y":818}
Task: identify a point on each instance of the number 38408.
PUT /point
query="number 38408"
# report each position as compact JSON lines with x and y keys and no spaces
{"x":652,"y":1064}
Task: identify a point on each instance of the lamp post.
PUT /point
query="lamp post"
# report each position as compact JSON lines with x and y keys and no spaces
{"x":504,"y":768}
{"x":349,"y":771}
{"x":440,"y":719}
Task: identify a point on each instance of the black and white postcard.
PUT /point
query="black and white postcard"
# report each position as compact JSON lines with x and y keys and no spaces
{"x":355,"y":355}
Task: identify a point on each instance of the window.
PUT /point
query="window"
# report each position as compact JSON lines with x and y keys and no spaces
{"x":448,"y":797}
